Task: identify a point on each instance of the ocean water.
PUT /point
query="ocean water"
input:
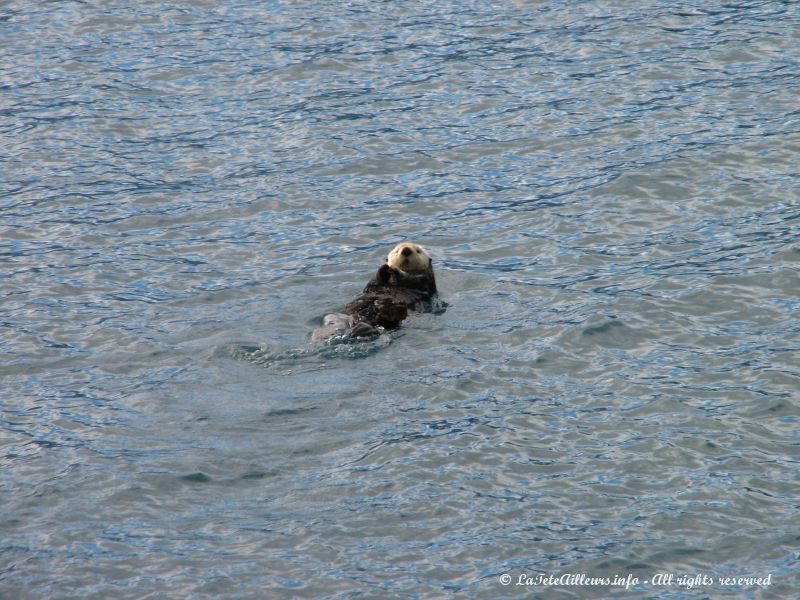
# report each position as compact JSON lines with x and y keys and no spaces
{"x":609,"y":406}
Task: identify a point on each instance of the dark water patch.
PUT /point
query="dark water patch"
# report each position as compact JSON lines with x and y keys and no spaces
{"x":197,"y":477}
{"x":287,"y":412}
{"x":258,"y":474}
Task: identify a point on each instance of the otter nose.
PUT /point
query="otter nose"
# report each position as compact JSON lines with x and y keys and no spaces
{"x":405,"y":251}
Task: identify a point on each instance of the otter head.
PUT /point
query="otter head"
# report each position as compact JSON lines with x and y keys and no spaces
{"x":414,"y":267}
{"x":410,"y":258}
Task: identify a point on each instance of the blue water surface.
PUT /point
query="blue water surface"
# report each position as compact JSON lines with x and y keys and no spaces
{"x":610,"y":193}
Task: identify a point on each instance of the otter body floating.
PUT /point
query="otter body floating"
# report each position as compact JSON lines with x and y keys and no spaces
{"x":405,"y":282}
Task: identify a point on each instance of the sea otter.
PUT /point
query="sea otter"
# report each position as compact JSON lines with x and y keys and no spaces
{"x":405,"y":282}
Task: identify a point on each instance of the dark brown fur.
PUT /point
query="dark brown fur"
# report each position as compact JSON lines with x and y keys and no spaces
{"x":388,"y":297}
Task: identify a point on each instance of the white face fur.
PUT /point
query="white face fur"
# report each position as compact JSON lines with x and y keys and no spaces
{"x":410,"y":258}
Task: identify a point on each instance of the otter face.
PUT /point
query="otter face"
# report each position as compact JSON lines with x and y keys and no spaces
{"x":409,"y":258}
